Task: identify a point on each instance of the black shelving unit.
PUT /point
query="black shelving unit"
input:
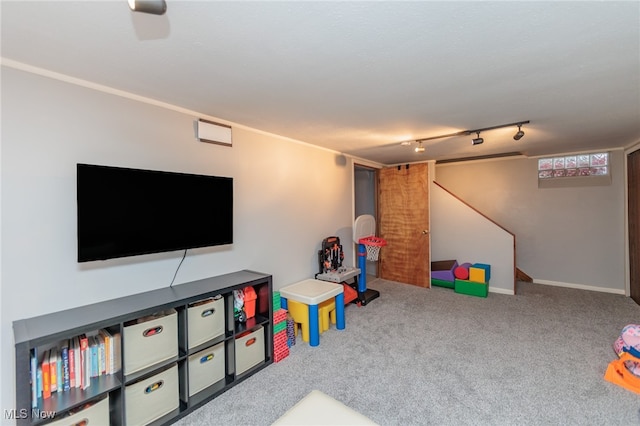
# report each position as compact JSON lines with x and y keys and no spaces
{"x":48,"y":330}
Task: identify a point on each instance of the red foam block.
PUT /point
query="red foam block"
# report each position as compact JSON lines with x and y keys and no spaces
{"x":462,"y":271}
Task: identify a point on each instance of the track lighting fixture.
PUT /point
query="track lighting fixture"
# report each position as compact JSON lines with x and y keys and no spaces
{"x":478,"y":140}
{"x":154,"y":7}
{"x":519,"y":134}
{"x":475,"y":141}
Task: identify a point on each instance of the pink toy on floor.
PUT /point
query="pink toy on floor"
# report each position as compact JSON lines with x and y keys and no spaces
{"x":629,"y":341}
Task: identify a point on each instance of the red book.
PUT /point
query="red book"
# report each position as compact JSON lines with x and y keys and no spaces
{"x":46,"y":376}
{"x":76,"y":355}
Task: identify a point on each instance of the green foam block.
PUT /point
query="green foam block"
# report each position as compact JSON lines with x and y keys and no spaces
{"x":471,"y":288}
{"x":442,"y":283}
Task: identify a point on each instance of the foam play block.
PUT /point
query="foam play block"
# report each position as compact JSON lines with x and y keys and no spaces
{"x":462,"y":271}
{"x":442,"y":283}
{"x":282,"y":325}
{"x":480,"y":273}
{"x":471,"y":288}
{"x":279,"y":316}
{"x":443,"y":270}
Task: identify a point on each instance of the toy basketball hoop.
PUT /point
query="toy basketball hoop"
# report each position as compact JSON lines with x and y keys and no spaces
{"x":373,"y":245}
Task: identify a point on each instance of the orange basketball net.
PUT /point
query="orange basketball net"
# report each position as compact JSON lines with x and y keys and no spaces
{"x":373,"y":245}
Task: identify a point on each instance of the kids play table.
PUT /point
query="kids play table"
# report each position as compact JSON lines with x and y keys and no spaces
{"x":312,"y":292}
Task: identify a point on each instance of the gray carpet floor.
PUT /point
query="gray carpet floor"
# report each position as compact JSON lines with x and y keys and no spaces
{"x":419,"y":356}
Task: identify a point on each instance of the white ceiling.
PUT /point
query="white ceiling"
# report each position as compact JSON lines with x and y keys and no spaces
{"x":360,"y":77}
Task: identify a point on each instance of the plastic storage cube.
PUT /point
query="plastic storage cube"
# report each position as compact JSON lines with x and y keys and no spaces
{"x":249,"y":350}
{"x":95,"y":414}
{"x":150,"y":340}
{"x":152,"y":398}
{"x":206,"y":320}
{"x":471,"y":288}
{"x":480,"y":273}
{"x":206,"y":368}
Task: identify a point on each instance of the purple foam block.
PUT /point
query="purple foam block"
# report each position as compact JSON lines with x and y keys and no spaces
{"x":443,"y":270}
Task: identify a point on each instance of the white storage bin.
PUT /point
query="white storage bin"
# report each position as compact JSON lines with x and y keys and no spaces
{"x":205,"y":320}
{"x":152,"y":398}
{"x":249,"y":350}
{"x":150,"y":340}
{"x":206,"y":368}
{"x":96,"y":414}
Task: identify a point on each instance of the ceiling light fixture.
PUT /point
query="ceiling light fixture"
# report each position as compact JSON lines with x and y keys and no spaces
{"x":419,"y":148}
{"x":154,"y":7}
{"x":478,"y":140}
{"x":475,"y":141}
{"x":519,"y":134}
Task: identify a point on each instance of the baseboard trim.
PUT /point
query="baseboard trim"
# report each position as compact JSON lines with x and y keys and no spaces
{"x":579,"y":286}
{"x":501,"y":291}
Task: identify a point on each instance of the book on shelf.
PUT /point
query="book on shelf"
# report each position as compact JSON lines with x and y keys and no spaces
{"x":94,"y":350}
{"x":102,"y":365}
{"x":33,"y":363}
{"x":39,"y":385}
{"x":85,"y":361}
{"x":77,"y":361}
{"x":64,"y":360}
{"x":108,"y":350}
{"x":59,"y":373}
{"x":73,"y":370}
{"x":72,"y":365}
{"x":46,"y":375}
{"x":53,"y":367}
{"x":116,"y":352}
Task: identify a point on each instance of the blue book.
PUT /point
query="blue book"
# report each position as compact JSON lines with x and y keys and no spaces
{"x":34,"y":378}
{"x":39,"y":382}
{"x":64,"y":354}
{"x":94,"y":356}
{"x":59,"y":372}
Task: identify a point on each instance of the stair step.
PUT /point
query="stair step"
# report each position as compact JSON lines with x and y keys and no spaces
{"x":521,"y":276}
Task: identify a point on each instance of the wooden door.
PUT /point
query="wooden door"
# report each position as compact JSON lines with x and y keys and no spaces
{"x":633,"y":185}
{"x":403,"y":209}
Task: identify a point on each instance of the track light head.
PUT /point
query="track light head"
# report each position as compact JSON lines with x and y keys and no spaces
{"x":478,"y":140}
{"x":154,"y":7}
{"x":519,"y":134}
{"x":419,"y":148}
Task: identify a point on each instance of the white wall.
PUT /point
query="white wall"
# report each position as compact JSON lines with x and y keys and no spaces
{"x":288,"y":197}
{"x":459,"y":232}
{"x":565,"y":236}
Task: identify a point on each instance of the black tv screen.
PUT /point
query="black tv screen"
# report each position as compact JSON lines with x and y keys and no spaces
{"x":127,"y":212}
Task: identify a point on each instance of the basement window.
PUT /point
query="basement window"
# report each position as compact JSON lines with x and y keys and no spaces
{"x":574,"y":170}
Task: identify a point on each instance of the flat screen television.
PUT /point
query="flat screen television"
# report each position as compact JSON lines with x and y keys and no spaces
{"x":127,"y":212}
